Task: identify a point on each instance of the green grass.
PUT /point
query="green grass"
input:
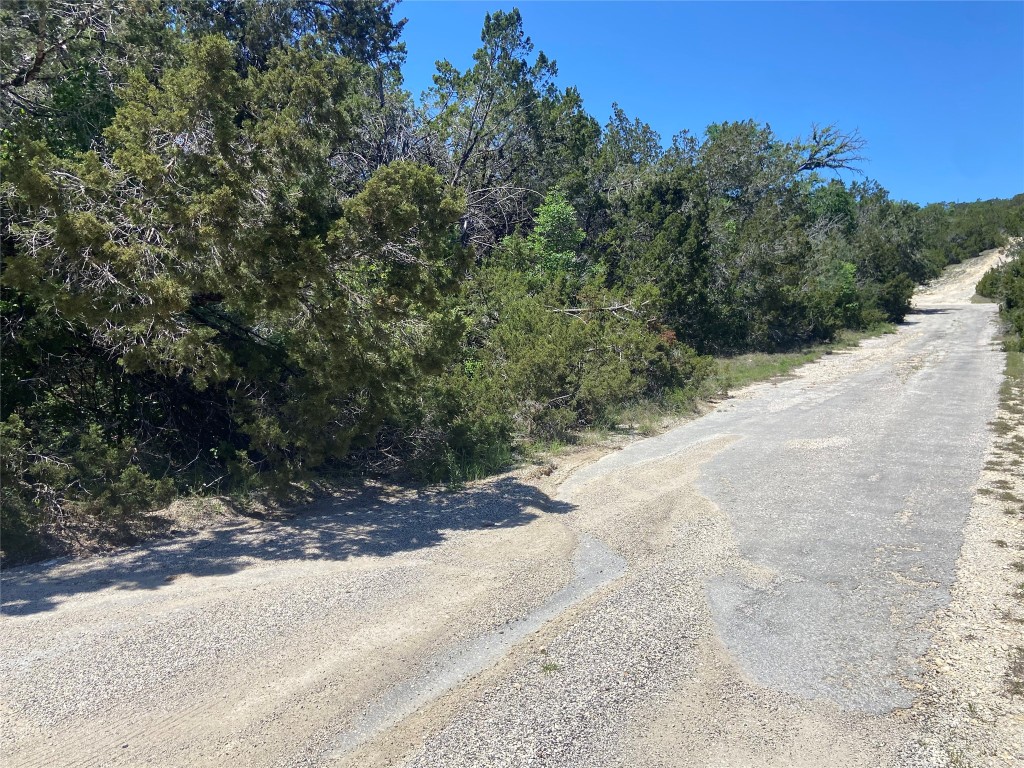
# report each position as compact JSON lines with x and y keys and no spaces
{"x":741,"y":370}
{"x":457,"y":469}
{"x":955,"y":758}
{"x":1012,"y":396}
{"x":1013,"y":387}
{"x":1011,"y":448}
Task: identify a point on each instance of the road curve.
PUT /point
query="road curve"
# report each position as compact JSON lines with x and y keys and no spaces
{"x":751,"y":588}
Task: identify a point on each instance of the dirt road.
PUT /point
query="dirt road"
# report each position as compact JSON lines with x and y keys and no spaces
{"x":758,"y":587}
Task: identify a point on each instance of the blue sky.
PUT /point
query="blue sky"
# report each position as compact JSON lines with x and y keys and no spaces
{"x":937,"y":89}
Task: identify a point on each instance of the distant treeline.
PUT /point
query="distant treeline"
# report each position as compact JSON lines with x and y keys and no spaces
{"x":237,"y":254}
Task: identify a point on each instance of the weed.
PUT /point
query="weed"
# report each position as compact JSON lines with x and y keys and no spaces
{"x":550,"y":666}
{"x":956,"y":759}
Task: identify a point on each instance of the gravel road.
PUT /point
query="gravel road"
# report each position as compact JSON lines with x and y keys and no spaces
{"x":757,"y":587}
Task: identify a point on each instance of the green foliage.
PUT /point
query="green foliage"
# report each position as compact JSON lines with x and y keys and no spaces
{"x":547,"y":352}
{"x":484,"y":126}
{"x":235,"y":252}
{"x":54,"y":481}
{"x":214,"y":256}
{"x":552,"y":367}
{"x":1005,"y":284}
{"x":894,"y":297}
{"x":556,"y":237}
{"x":955,"y":232}
{"x":834,"y":300}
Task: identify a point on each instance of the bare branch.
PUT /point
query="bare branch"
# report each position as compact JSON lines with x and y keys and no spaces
{"x":831,"y":149}
{"x":613,"y":309}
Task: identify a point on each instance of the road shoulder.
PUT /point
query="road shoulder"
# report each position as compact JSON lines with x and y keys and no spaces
{"x":971,"y":709}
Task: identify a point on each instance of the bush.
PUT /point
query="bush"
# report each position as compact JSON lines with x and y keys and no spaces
{"x":893,"y":297}
{"x":991,"y":284}
{"x":57,"y":488}
{"x":543,"y":358}
{"x":1005,"y":284}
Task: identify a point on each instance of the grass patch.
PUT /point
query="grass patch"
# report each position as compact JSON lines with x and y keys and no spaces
{"x":741,"y":370}
{"x":550,"y":666}
{"x":1014,"y":368}
{"x":471,"y":466}
{"x":1003,"y":427}
{"x":955,"y":758}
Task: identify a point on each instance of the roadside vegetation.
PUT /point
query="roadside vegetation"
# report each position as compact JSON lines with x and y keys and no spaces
{"x":238,"y":257}
{"x":1005,"y":284}
{"x":648,"y":416}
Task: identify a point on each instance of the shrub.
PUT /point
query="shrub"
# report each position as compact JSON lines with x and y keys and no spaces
{"x":893,"y":297}
{"x":1005,"y":284}
{"x":59,"y":486}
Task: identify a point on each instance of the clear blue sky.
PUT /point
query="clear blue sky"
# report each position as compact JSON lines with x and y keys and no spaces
{"x":937,"y":89}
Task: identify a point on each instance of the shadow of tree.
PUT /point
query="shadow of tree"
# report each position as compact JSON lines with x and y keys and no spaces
{"x":917,"y":315}
{"x":371,"y":522}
